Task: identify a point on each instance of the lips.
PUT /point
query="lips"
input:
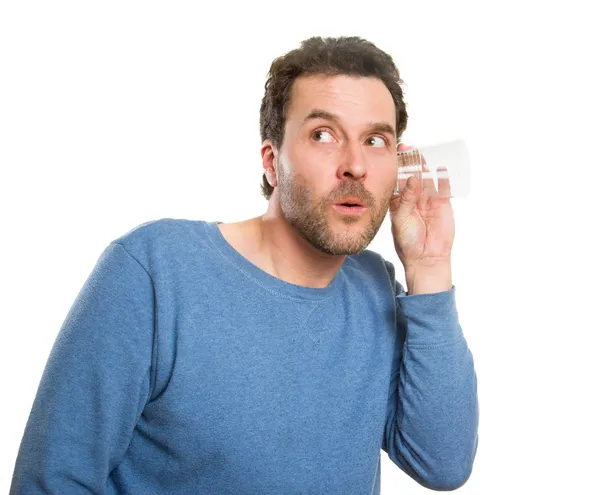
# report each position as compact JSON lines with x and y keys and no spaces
{"x":350,"y":210}
{"x":350,"y":201}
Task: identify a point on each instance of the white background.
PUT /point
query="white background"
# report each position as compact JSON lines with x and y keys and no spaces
{"x":116,"y":113}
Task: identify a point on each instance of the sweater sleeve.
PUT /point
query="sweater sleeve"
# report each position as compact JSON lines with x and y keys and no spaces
{"x":431,"y":430}
{"x":95,"y":383}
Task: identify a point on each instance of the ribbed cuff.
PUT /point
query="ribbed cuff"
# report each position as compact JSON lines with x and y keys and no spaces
{"x":429,"y":318}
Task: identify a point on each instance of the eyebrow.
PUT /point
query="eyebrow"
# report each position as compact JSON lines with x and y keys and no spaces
{"x":382,"y":127}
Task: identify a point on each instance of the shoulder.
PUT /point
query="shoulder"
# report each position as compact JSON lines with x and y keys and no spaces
{"x":163,"y":239}
{"x":161,"y":231}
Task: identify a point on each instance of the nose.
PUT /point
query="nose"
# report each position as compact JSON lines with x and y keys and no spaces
{"x":353,"y":164}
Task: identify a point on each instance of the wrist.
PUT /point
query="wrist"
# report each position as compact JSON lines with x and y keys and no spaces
{"x":428,"y":278}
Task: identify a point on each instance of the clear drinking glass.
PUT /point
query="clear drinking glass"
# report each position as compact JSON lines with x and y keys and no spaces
{"x":448,"y":160}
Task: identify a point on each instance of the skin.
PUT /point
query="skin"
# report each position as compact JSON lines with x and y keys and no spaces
{"x":423,"y":229}
{"x":349,"y":149}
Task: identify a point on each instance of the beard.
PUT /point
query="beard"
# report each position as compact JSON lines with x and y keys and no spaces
{"x":311,"y":220}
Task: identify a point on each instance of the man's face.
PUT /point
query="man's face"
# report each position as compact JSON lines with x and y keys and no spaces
{"x":339,"y":142}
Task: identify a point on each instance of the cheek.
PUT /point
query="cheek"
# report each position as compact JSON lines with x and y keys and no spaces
{"x":385,"y":174}
{"x":305,"y":187}
{"x":315,"y":174}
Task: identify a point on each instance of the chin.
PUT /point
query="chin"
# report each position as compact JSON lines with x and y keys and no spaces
{"x":343,"y":250}
{"x":345,"y":241}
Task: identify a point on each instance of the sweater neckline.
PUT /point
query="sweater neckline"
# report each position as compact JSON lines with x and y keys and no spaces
{"x":264,"y":279}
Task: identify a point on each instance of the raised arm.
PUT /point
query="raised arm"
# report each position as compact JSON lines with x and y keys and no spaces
{"x":433,"y":414}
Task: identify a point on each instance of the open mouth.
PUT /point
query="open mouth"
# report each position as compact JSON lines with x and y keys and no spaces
{"x":350,"y":201}
{"x":350,"y":208}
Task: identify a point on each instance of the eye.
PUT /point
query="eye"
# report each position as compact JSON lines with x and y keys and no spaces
{"x":377,"y":142}
{"x":321,"y":136}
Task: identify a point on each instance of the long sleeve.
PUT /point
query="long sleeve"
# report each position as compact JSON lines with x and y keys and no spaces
{"x":95,"y":383}
{"x":432,"y":420}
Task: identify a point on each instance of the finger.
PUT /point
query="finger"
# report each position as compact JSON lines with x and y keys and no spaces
{"x":403,"y":147}
{"x":405,"y":203}
{"x":443,"y":182}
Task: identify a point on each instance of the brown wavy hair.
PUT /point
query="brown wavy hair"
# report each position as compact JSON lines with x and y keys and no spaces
{"x":345,"y":55}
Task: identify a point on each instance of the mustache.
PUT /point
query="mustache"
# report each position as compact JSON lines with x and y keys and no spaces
{"x":354,"y":190}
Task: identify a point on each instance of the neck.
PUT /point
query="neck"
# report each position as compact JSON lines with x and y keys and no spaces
{"x":288,"y":256}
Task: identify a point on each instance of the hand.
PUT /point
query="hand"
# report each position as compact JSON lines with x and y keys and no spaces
{"x":423,"y":220}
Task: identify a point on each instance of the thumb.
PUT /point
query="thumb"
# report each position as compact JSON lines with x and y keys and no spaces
{"x":402,"y":205}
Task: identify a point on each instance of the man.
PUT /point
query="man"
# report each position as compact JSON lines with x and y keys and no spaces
{"x":276,"y":355}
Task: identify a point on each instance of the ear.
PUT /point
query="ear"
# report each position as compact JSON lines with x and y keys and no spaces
{"x":269,"y":155}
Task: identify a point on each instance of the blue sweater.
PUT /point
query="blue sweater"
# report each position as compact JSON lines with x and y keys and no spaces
{"x":182,"y":368}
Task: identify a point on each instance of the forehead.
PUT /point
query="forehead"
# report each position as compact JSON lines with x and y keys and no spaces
{"x":355,"y":99}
